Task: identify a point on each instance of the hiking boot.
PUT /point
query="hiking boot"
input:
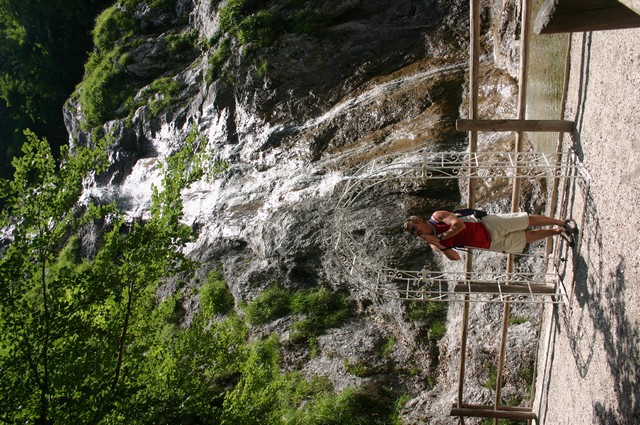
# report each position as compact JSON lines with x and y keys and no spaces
{"x":570,"y":227}
{"x":568,"y":237}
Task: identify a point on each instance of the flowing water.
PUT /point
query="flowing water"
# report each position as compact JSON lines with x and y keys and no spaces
{"x":546,"y":72}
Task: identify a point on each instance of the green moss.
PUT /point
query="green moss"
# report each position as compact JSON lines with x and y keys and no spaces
{"x":437,"y":330}
{"x":179,"y":43}
{"x":271,"y":304}
{"x":249,"y":23}
{"x":159,"y":95}
{"x":322,"y":309}
{"x":166,"y":90}
{"x":359,"y":368}
{"x":387,"y":347}
{"x":215,"y":297}
{"x":234,"y":11}
{"x":256,"y":27}
{"x":492,"y":378}
{"x":164,"y":5}
{"x":112,"y":25}
{"x":260,"y":28}
{"x":160,"y":5}
{"x":398,"y":405}
{"x":217,"y":60}
{"x":527,"y":373}
{"x":104,"y":88}
{"x":425,"y":310}
{"x":262,"y":68}
{"x":308,"y":22}
{"x":517,"y":320}
{"x":108,"y":89}
{"x":353,"y":406}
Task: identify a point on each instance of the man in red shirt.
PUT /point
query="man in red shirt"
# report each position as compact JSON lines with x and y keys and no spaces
{"x":499,"y":232}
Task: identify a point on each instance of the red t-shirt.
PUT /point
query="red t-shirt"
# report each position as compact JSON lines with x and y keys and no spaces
{"x":474,"y":234}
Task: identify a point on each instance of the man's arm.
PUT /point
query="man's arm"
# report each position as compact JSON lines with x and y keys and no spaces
{"x":450,"y":253}
{"x":455,"y":224}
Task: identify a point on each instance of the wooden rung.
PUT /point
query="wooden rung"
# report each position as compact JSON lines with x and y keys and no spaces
{"x":514,"y":125}
{"x":494,"y":288}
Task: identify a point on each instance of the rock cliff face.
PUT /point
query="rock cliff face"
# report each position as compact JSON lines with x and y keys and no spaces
{"x":294,"y":117}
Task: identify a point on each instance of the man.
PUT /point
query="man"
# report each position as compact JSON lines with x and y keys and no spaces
{"x":499,"y":232}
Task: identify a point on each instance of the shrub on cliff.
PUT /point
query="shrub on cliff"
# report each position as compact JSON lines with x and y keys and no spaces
{"x":112,"y":75}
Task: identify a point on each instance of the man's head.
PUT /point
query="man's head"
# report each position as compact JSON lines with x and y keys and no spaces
{"x":416,"y":226}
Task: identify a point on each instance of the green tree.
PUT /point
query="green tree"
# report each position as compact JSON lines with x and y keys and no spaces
{"x":76,"y":333}
{"x":37,"y":217}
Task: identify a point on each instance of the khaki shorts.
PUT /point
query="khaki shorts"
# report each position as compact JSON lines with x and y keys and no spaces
{"x":507,"y":231}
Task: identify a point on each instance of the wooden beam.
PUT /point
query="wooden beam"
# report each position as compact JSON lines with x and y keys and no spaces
{"x":514,"y":125}
{"x":495,"y":288}
{"x":556,"y":16}
{"x":505,"y":408}
{"x":490,"y":413}
{"x":474,"y":83}
{"x":474,"y":78}
{"x":632,"y":4}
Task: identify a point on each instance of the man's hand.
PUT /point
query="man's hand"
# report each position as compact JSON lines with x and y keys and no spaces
{"x":451,"y":254}
{"x":433,"y":240}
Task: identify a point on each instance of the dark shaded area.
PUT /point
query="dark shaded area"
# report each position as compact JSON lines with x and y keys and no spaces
{"x":41,"y":70}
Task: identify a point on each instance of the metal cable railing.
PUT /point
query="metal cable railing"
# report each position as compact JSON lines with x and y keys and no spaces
{"x":364,"y":270}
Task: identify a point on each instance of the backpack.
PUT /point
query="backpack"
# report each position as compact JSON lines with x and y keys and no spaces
{"x":464,"y":212}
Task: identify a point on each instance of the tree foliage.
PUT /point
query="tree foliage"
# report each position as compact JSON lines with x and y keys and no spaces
{"x":37,"y":294}
{"x":78,"y":334}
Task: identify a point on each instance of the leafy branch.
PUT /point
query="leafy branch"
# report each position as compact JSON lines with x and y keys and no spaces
{"x":38,"y":216}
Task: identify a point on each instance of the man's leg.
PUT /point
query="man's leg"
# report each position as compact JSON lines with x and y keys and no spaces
{"x":537,"y":234}
{"x":541,"y":220}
